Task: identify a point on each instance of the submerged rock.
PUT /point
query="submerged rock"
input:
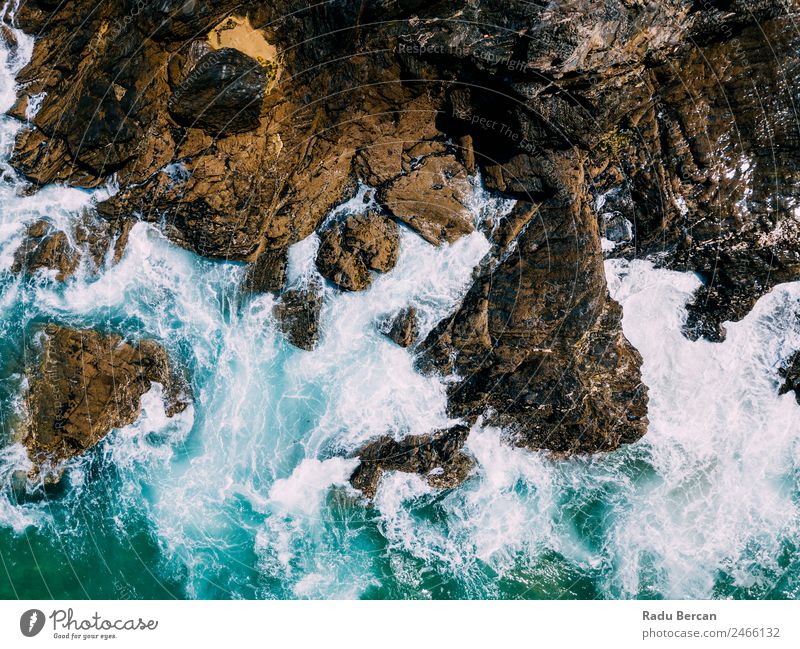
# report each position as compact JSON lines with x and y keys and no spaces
{"x":438,"y":457}
{"x":298,"y":313}
{"x":348,"y":251}
{"x":82,"y":385}
{"x":402,"y":327}
{"x":791,"y":375}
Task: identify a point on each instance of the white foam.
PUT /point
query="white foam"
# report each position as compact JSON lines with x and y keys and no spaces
{"x":303,"y":491}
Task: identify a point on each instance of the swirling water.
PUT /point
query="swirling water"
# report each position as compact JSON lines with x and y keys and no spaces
{"x":246,"y":495}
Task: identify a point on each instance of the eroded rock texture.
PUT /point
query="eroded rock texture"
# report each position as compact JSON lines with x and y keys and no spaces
{"x":349,"y":250}
{"x":669,"y":126}
{"x":82,"y":385}
{"x":402,"y":327}
{"x":437,"y":456}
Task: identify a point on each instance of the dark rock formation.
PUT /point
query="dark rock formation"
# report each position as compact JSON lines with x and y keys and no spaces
{"x":349,"y":250}
{"x":221,"y":95}
{"x":437,"y":456}
{"x":402,"y":327}
{"x":790,"y":373}
{"x":268,"y":272}
{"x":551,"y":364}
{"x":82,"y":385}
{"x":46,"y":248}
{"x":297,"y":314}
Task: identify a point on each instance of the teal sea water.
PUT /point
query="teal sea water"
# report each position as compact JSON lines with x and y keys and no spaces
{"x":245,"y":495}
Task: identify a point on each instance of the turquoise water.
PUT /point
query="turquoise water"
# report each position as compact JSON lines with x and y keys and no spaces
{"x":245,"y":495}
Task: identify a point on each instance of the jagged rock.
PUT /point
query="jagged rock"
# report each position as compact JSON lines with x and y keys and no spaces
{"x":82,"y":385}
{"x":46,"y":248}
{"x":555,"y":370}
{"x":438,"y":457}
{"x":298,"y":313}
{"x":223,"y":94}
{"x":349,"y":250}
{"x":402,"y":327}
{"x":431,"y":199}
{"x":268,"y":272}
{"x":791,"y":375}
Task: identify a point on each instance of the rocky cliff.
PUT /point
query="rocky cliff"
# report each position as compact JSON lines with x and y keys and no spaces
{"x":667,"y":127}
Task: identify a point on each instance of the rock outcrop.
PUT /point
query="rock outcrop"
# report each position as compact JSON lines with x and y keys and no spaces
{"x":537,"y":342}
{"x":431,"y":199}
{"x":438,"y":457}
{"x":349,"y":250}
{"x":402,"y":327}
{"x":46,"y":248}
{"x":298,"y":313}
{"x":82,"y":385}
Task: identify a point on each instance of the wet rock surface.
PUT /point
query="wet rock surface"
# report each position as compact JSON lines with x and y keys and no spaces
{"x":82,"y":385}
{"x":46,"y":248}
{"x":268,"y":273}
{"x":349,"y":250}
{"x":298,"y":313}
{"x":95,"y":240}
{"x":437,"y":456}
{"x":402,"y":327}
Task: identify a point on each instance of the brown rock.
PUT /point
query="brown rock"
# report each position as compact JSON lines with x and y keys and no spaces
{"x":46,"y":248}
{"x":402,"y":327}
{"x":268,"y":272}
{"x":556,"y":371}
{"x":431,"y":199}
{"x":298,"y":313}
{"x":349,"y":250}
{"x":84,"y":384}
{"x":437,"y":456}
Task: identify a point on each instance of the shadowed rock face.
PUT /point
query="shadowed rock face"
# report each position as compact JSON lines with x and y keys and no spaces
{"x":790,"y":374}
{"x":402,"y":327}
{"x":670,"y":122}
{"x":82,"y":385}
{"x":222,"y":94}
